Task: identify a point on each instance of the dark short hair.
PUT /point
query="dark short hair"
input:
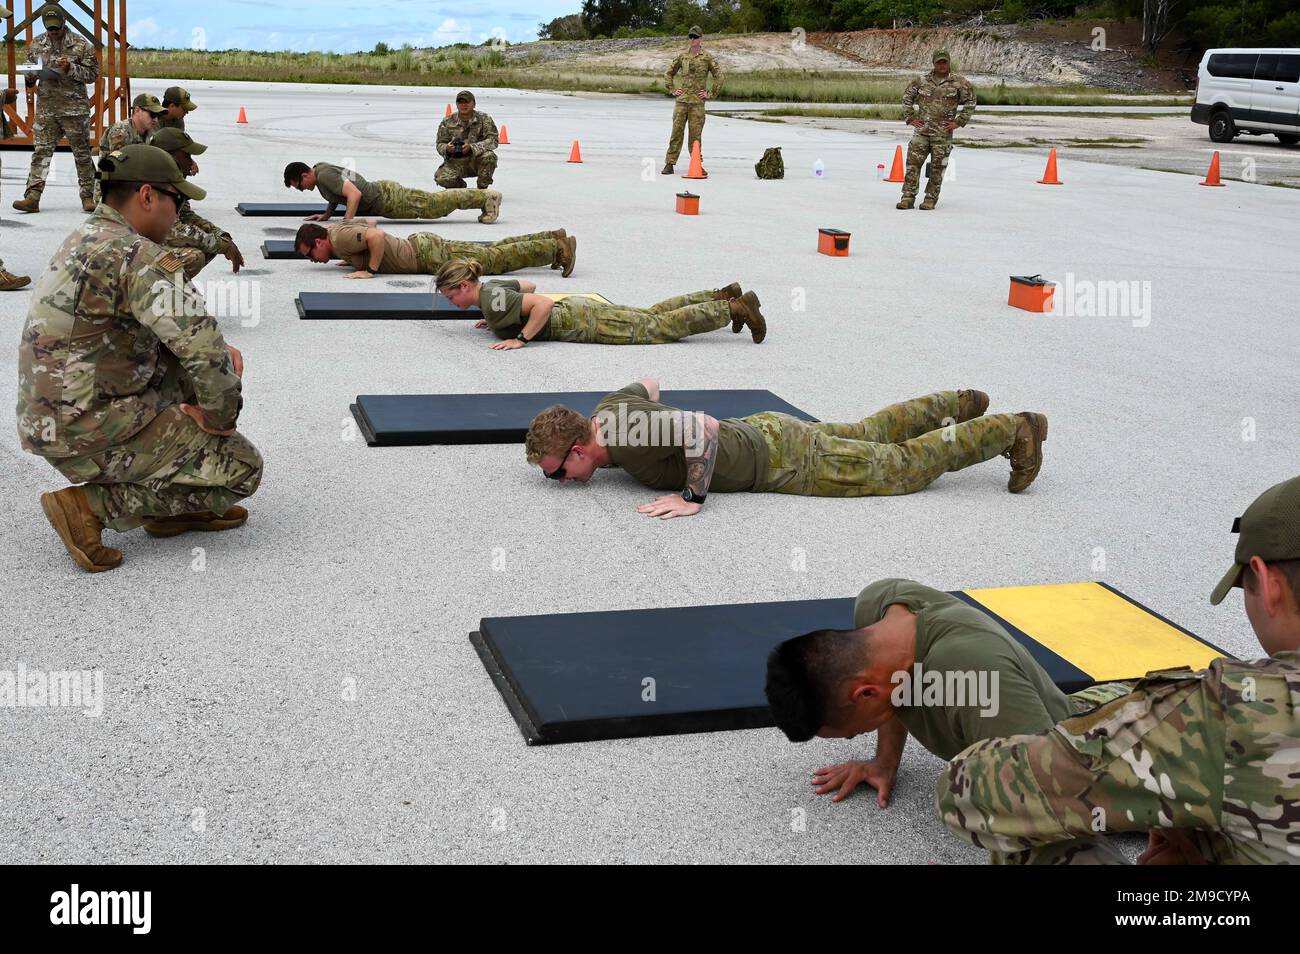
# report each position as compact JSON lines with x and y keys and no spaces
{"x":308,"y":234}
{"x":294,"y":171}
{"x":804,"y":674}
{"x":116,"y":190}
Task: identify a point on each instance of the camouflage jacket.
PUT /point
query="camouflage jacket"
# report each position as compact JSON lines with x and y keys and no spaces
{"x":110,"y":318}
{"x":480,"y":133}
{"x":194,"y":231}
{"x":66,"y":95}
{"x":121,"y":133}
{"x":1212,"y":752}
{"x":694,"y":69}
{"x":937,"y":100}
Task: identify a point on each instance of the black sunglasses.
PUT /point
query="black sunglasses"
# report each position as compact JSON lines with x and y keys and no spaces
{"x":558,"y":473}
{"x":176,"y":196}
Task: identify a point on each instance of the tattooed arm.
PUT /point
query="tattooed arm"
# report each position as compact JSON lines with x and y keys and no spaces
{"x":700,"y":439}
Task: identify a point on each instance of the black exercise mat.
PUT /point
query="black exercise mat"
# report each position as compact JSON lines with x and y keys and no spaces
{"x":266,"y":209}
{"x":404,"y":420}
{"x":380,"y":306}
{"x":283,"y":248}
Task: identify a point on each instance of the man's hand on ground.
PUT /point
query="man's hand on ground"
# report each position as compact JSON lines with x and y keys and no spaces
{"x":510,"y":344}
{"x":481,"y":323}
{"x":318,"y":217}
{"x":669,"y":506}
{"x":359,"y":274}
{"x":197,"y":416}
{"x":847,"y":776}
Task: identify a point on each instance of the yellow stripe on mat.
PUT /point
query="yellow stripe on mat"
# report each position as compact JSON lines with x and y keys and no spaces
{"x":560,"y":296}
{"x":1090,"y":627}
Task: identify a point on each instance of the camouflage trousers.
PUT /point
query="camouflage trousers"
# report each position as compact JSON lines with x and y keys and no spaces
{"x":45,"y":134}
{"x":508,"y":255}
{"x":168,"y":468}
{"x":935,"y":148}
{"x":683,"y":113}
{"x":1211,"y":753}
{"x":399,"y":202}
{"x":453,"y":172}
{"x":585,"y":321}
{"x":898,"y":450}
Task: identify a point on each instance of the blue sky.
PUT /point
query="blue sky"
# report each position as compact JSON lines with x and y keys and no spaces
{"x":341,"y":26}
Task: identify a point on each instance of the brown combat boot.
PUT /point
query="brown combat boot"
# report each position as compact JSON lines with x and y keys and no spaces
{"x":70,"y":515}
{"x":491,"y":207}
{"x":12,"y":282}
{"x":667,"y":170}
{"x":1026,"y":453}
{"x":738,"y":323}
{"x":929,"y":203}
{"x":205,"y":520}
{"x":745,"y":310}
{"x":31,"y":202}
{"x":560,"y":236}
{"x":905,"y":203}
{"x":728,"y":292}
{"x":970,"y":405}
{"x":567,"y":257}
{"x":484,"y":181}
{"x":87,"y":204}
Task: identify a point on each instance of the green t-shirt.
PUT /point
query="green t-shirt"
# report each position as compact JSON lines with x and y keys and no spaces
{"x":955,"y":637}
{"x":329,"y":183}
{"x":502,"y":302}
{"x":642,"y":440}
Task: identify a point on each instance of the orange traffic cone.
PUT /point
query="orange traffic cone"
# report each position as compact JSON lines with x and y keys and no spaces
{"x":243,"y":117}
{"x":1212,"y":177}
{"x":1049,"y":174}
{"x":504,"y":138}
{"x":696,"y":170}
{"x":575,"y":154}
{"x":448,"y":112}
{"x":896,"y":171}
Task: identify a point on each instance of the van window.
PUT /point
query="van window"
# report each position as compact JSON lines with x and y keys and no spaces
{"x":1233,"y":65}
{"x":1287,"y":69}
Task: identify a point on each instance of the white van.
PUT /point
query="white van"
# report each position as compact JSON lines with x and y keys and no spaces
{"x":1249,"y":91}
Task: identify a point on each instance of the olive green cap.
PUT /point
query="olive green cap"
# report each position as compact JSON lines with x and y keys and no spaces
{"x":145,"y":164}
{"x":180,"y":96}
{"x":465,"y":96}
{"x":149,"y":103}
{"x":695,"y":31}
{"x":1269,"y":529}
{"x":53,"y":17}
{"x":169,"y":139}
{"x":941,"y":56}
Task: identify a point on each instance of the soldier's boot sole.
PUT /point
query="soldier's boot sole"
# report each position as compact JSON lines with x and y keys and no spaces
{"x":570,"y":255}
{"x":206,"y":520}
{"x":757,"y":323}
{"x":28,"y":203}
{"x":11,"y":282}
{"x":1027,"y":451}
{"x":970,"y":405}
{"x":70,"y":515}
{"x":491,"y":207}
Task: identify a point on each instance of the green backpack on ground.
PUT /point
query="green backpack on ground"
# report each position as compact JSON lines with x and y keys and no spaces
{"x":771,"y":166}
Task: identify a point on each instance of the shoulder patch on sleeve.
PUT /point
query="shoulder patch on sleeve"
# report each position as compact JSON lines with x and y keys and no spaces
{"x":168,"y":262}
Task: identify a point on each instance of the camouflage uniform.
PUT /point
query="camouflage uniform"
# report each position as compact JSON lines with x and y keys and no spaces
{"x":895,"y":451}
{"x":194,"y":241}
{"x":694,"y":69}
{"x":508,"y":255}
{"x":771,"y":166}
{"x":934,"y":100}
{"x":114,"y":342}
{"x":121,"y":133}
{"x":585,"y":321}
{"x":399,"y":202}
{"x":480,"y":134}
{"x":5,"y":133}
{"x":62,"y":109}
{"x":1213,"y":753}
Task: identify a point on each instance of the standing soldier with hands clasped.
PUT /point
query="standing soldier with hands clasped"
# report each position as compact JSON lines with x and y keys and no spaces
{"x":934,"y":105}
{"x":693,"y":67}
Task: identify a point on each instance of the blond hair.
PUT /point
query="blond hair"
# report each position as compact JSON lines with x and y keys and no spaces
{"x":458,"y":270}
{"x":554,"y":431}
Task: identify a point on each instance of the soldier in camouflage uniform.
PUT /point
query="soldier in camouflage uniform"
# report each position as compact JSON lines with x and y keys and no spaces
{"x":62,"y":108}
{"x":694,"y":66}
{"x":8,"y":280}
{"x":467,"y":142}
{"x":133,"y":130}
{"x":178,"y":105}
{"x":1204,"y":761}
{"x":193,"y":240}
{"x":125,"y":383}
{"x":518,"y":316}
{"x":384,"y":197}
{"x":896,"y":451}
{"x":371,"y":251}
{"x":935,"y":104}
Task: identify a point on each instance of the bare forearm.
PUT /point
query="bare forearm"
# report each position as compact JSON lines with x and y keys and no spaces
{"x":890,"y":741}
{"x":701,"y":434}
{"x":537,"y":319}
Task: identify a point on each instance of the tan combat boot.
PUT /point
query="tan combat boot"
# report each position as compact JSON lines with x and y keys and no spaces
{"x":568,"y":255}
{"x":87,"y":204}
{"x":737,"y":323}
{"x":31,"y":202}
{"x":905,"y":203}
{"x":970,"y":405}
{"x":929,"y":203}
{"x":205,"y":520}
{"x":12,"y":282}
{"x":70,"y":515}
{"x":745,"y":310}
{"x":728,"y":292}
{"x":1026,"y":453}
{"x":560,"y":236}
{"x":667,"y":170}
{"x":491,"y":207}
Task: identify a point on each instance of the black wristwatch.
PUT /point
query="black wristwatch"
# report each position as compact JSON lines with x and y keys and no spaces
{"x":520,"y":337}
{"x":372,"y":271}
{"x":691,"y":496}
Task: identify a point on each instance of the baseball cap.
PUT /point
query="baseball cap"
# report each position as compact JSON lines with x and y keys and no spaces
{"x":464,"y":96}
{"x":145,"y":164}
{"x":1269,"y":529}
{"x":53,"y":17}
{"x":180,"y":96}
{"x":695,"y":31}
{"x":148,"y":102}
{"x":169,"y":139}
{"x":941,"y":56}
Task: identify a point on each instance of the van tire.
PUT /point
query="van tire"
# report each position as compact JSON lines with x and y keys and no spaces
{"x":1222,"y":128}
{"x":1288,"y":139}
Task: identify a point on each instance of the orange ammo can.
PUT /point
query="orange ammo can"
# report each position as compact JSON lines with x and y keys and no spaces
{"x":688,"y":203}
{"x":1031,"y":292}
{"x":833,"y":242}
